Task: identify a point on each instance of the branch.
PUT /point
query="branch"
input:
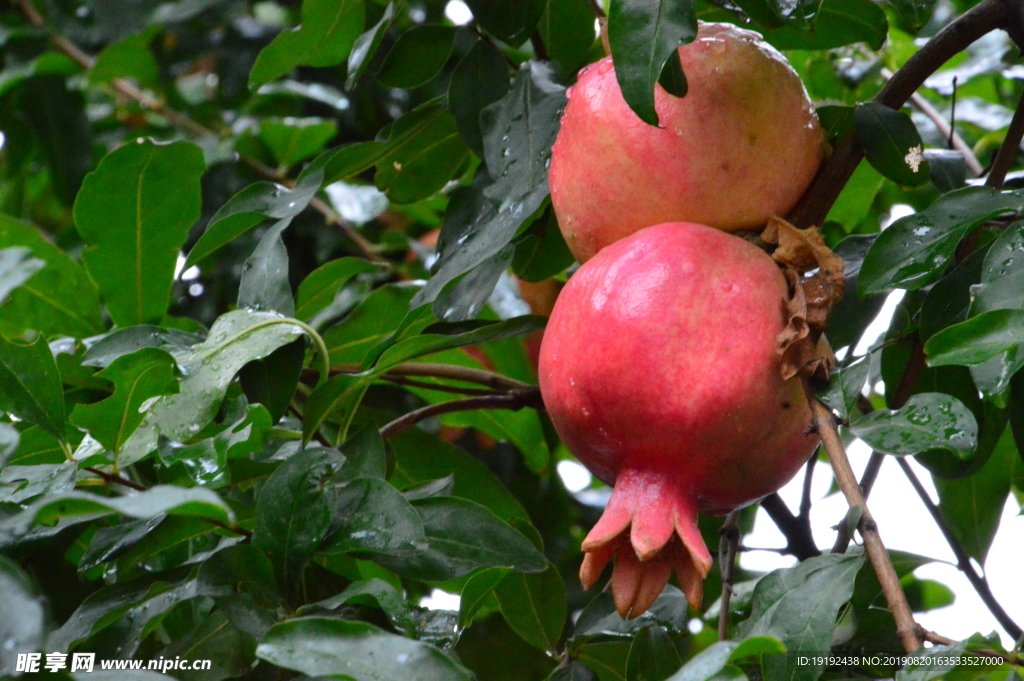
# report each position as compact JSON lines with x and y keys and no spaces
{"x":728,"y":543}
{"x":112,"y":478}
{"x":983,"y":18}
{"x":188,"y":124}
{"x":800,"y":543}
{"x":963,"y":561}
{"x":1009,"y":149}
{"x":440,"y":387}
{"x":825,"y":422}
{"x":595,"y":5}
{"x":512,"y":400}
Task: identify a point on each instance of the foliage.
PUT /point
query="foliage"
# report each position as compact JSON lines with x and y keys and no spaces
{"x":267,"y":378}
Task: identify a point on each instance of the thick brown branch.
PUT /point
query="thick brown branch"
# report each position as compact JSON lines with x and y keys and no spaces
{"x":906,"y":627}
{"x":798,"y":535}
{"x":1009,"y":149}
{"x":512,"y":400}
{"x":983,"y":18}
{"x":963,"y":561}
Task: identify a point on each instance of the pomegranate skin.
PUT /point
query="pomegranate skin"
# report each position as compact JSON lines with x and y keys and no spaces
{"x":661,"y":373}
{"x":741,"y":146}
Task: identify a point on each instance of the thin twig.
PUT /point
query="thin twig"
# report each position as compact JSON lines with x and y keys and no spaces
{"x":798,"y":536}
{"x":488,"y":379}
{"x":825,"y":422}
{"x":728,"y":542}
{"x":512,"y":400}
{"x":440,"y":387}
{"x":963,"y":561}
{"x":984,"y":17}
{"x":540,"y":51}
{"x":805,"y":496}
{"x":945,"y":129}
{"x":1009,"y":149}
{"x":114,"y":479}
{"x":193,"y":127}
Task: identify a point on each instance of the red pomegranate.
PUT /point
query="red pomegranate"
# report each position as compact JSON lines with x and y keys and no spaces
{"x":741,"y":146}
{"x":660,"y":370}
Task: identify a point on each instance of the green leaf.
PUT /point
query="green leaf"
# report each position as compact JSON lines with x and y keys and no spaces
{"x":366,"y":45}
{"x":35,"y":447}
{"x":851,"y":316}
{"x":934,"y":662}
{"x":541,"y":252}
{"x":319,"y":646}
{"x":59,"y":299}
{"x":260,"y":200}
{"x":237,"y":338}
{"x":464,"y":536}
{"x":534,"y":606}
{"x":135,"y":211}
{"x":264,"y":283}
{"x":479,"y":79}
{"x":1001,"y":284}
{"x":476,"y":591}
{"x":325,"y":37}
{"x":446,"y":337}
{"x":519,"y":130}
{"x":22,"y":615}
{"x":374,"y":319}
{"x":973,"y":505}
{"x":512,"y":22}
{"x":372,"y":516}
{"x":272,"y":381}
{"x":16,"y":267}
{"x":365,"y":456}
{"x":340,"y":396}
{"x":652,"y":657}
{"x":30,"y":385}
{"x":320,"y":287}
{"x":229,"y":650}
{"x":567,"y":30}
{"x":418,"y":55}
{"x":844,"y":386}
{"x":947,"y":168}
{"x":798,"y":606}
{"x":912,"y":251}
{"x":710,"y":663}
{"x":9,"y":441}
{"x":131,"y":606}
{"x":421,"y":158}
{"x":601,"y":618}
{"x":387,"y":599}
{"x":111,"y":542}
{"x":914,"y":13}
{"x":172,"y":543}
{"x":421,"y":457}
{"x":836,"y":23}
{"x":77,"y":506}
{"x":137,"y":377}
{"x":295,"y":139}
{"x":928,"y":421}
{"x":948,"y":301}
{"x":891,"y":143}
{"x":643,"y":35}
{"x":977,"y":340}
{"x":127,"y":58}
{"x":854,"y":202}
{"x":47,"y":63}
{"x":348,"y":160}
{"x":293,"y":513}
{"x":765,"y":12}
{"x":121,"y":342}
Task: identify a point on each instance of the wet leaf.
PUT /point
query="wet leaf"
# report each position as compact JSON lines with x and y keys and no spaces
{"x":928,"y":421}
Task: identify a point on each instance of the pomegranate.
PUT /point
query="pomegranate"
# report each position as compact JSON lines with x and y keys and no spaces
{"x":741,"y":146}
{"x":660,"y":370}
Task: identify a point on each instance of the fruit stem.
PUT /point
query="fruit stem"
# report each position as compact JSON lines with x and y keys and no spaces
{"x":825,"y":422}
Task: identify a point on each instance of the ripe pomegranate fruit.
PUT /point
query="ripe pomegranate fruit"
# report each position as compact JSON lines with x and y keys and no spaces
{"x":742,"y":145}
{"x":660,"y":370}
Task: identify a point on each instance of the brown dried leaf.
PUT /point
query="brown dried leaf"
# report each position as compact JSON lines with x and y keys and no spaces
{"x":802,"y":346}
